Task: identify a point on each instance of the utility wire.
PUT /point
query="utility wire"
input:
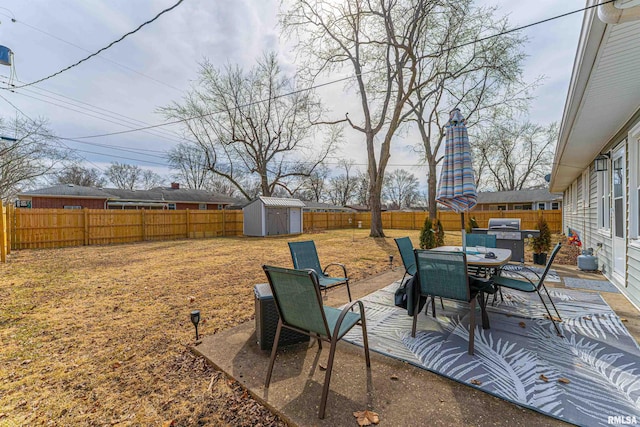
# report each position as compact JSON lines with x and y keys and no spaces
{"x":88,"y":51}
{"x":101,"y":50}
{"x":341,"y":79}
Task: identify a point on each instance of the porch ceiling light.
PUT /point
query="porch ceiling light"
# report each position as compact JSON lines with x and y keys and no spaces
{"x":602,"y":163}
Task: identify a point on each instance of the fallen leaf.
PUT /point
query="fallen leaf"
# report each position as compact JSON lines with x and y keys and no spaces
{"x":476,"y":382}
{"x":322,"y":367}
{"x":564,"y":380}
{"x":394,"y":378}
{"x":622,"y":319}
{"x":192,"y":299}
{"x":587,"y":318}
{"x":169,"y":423}
{"x":522,"y":325}
{"x":366,"y":418}
{"x":116,"y":365}
{"x":543,"y":378}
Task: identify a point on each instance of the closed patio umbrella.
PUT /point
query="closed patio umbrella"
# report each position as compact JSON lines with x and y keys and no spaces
{"x":457,"y":185}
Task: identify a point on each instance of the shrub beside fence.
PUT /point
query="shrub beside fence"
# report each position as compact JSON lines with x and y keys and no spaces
{"x":54,"y":228}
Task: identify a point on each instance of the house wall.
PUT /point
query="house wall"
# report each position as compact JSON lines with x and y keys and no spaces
{"x":61,"y":202}
{"x":581,"y":212}
{"x":515,"y":206}
{"x":196,"y":206}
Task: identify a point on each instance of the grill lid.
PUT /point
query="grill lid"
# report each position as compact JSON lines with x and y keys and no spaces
{"x":504,"y":223}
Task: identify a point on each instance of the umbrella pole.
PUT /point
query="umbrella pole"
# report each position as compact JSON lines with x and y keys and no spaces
{"x":464,"y":234}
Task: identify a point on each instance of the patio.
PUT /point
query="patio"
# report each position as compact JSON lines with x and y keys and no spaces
{"x":399,"y":392}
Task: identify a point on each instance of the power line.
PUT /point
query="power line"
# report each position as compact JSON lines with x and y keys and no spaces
{"x":313,"y":87}
{"x":100,"y":50}
{"x":88,"y":51}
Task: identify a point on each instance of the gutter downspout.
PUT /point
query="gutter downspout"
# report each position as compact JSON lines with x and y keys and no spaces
{"x":610,"y":14}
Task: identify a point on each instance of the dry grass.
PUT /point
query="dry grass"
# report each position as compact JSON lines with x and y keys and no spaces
{"x":100,"y":335}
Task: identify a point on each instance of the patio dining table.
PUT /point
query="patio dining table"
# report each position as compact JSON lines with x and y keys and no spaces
{"x":476,"y":257}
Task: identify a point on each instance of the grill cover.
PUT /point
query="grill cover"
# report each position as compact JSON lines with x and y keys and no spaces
{"x":504,"y":223}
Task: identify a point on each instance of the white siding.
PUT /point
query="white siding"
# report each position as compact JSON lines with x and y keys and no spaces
{"x":254,"y":219}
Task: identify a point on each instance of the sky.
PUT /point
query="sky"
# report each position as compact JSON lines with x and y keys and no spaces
{"x":123,"y":87}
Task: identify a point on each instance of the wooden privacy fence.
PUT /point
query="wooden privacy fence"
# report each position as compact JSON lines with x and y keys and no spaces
{"x":55,"y":228}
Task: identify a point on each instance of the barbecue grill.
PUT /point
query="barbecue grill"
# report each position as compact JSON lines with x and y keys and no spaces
{"x":508,"y":235}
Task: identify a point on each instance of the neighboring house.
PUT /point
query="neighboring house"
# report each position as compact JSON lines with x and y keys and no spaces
{"x":69,"y":196}
{"x":310,"y":206}
{"x":526,"y":200}
{"x":597,"y":159}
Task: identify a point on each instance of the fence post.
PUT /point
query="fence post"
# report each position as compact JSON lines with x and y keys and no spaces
{"x":224,"y":223}
{"x":188,"y":222}
{"x":86,"y":227}
{"x":3,"y":235}
{"x":144,"y":225}
{"x":9,"y":227}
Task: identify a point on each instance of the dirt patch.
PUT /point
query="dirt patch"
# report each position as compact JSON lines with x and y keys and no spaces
{"x":100,"y":335}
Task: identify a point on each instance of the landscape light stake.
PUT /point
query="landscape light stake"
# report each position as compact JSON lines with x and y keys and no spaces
{"x":195,"y":319}
{"x":391,"y":262}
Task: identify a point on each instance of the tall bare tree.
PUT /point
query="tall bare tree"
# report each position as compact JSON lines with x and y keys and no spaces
{"x":254,"y":123}
{"x":460,"y":68}
{"x":514,"y":155}
{"x":189,"y":162}
{"x":342,"y":187}
{"x":79,"y":175}
{"x":314,"y":186}
{"x":124,"y":176}
{"x":372,"y":40}
{"x":400,"y":189}
{"x":28,"y":151}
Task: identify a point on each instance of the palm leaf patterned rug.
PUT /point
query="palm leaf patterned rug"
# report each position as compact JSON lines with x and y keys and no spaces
{"x":585,"y":377}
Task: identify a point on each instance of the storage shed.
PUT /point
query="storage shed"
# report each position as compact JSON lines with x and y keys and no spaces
{"x":270,"y":216}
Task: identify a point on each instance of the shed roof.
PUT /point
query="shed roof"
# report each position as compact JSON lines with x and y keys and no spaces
{"x":521,"y":196}
{"x":281,"y":202}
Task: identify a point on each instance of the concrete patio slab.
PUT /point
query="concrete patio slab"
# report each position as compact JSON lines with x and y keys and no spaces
{"x":401,"y":394}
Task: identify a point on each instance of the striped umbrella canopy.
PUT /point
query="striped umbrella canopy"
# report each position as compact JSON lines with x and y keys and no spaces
{"x":457,"y":185}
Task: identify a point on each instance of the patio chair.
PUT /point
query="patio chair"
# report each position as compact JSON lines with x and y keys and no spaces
{"x":486,"y":240}
{"x":299,"y":303}
{"x":527,"y":285}
{"x":445,"y":274}
{"x":305,"y":256}
{"x":405,"y":247}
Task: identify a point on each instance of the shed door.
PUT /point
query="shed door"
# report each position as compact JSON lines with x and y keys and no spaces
{"x":277,"y":221}
{"x":619,"y":213}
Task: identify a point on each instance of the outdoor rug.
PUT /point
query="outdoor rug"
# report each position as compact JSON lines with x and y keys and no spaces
{"x":532,"y":273}
{"x":591,"y":374}
{"x":590,"y":284}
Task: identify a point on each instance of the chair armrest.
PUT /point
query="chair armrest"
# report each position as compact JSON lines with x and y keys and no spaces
{"x":519,"y":274}
{"x":348,"y":308}
{"x":522,"y":267}
{"x":344,"y":269}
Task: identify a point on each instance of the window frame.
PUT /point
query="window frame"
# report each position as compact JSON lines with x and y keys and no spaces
{"x":634,"y":185}
{"x":603,"y":184}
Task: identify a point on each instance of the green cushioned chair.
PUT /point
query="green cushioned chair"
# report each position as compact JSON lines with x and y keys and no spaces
{"x":305,"y":257}
{"x":405,"y":247}
{"x":444,"y":274}
{"x":299,"y":303}
{"x":524,"y":284}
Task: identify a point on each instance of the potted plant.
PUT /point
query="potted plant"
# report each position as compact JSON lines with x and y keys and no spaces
{"x":541,"y":243}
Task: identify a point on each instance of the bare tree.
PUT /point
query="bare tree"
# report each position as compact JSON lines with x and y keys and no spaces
{"x":314,"y":186}
{"x":189,"y":160}
{"x":123,"y":176}
{"x":362,"y":192}
{"x":150,"y":180}
{"x":372,"y":39}
{"x":459,"y":68}
{"x":28,"y":151}
{"x":342,"y":188}
{"x":515,"y":155}
{"x":254,"y":123}
{"x":79,"y":175}
{"x":400,"y":189}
